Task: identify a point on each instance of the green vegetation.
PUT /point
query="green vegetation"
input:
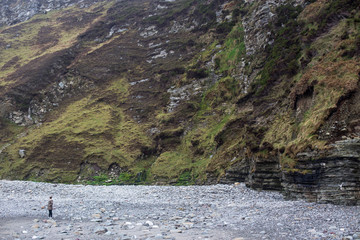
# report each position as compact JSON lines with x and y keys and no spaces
{"x":332,"y":75}
{"x":43,"y":34}
{"x":185,"y":179}
{"x":322,"y":13}
{"x":190,"y":160}
{"x":103,"y":179}
{"x":297,"y":83}
{"x":233,"y":51}
{"x":92,"y":129}
{"x":100,"y":180}
{"x":8,"y":130}
{"x":169,"y":165}
{"x":283,"y":55}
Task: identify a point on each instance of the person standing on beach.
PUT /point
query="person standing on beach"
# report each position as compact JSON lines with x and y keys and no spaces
{"x":50,"y":207}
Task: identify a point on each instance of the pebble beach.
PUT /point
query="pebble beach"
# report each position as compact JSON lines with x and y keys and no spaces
{"x":219,"y":212}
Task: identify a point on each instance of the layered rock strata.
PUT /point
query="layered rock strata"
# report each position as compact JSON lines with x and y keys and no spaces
{"x":330,"y":178}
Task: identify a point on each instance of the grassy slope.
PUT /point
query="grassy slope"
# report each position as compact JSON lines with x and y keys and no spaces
{"x":224,"y":132}
{"x":331,"y":72}
{"x":44,"y":34}
{"x":84,"y":123}
{"x":216,"y":108}
{"x":97,"y":129}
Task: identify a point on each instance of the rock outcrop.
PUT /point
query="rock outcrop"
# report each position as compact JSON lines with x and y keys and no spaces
{"x":12,"y":12}
{"x":330,"y":177}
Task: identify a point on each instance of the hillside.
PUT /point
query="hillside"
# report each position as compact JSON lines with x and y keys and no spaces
{"x":183,"y":92}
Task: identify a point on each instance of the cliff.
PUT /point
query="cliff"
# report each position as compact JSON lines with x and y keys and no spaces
{"x":183,"y":92}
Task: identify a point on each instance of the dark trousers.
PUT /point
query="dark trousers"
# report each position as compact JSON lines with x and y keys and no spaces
{"x":50,"y":213}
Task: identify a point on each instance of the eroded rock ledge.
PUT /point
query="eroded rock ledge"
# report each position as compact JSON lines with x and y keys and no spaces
{"x":323,"y":177}
{"x":334,"y":177}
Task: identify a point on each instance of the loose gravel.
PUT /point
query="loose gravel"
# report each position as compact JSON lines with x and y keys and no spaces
{"x":166,"y":212}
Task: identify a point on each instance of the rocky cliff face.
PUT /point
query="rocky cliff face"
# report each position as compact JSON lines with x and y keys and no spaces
{"x":183,"y":92}
{"x":332,"y":177}
{"x":12,"y":12}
